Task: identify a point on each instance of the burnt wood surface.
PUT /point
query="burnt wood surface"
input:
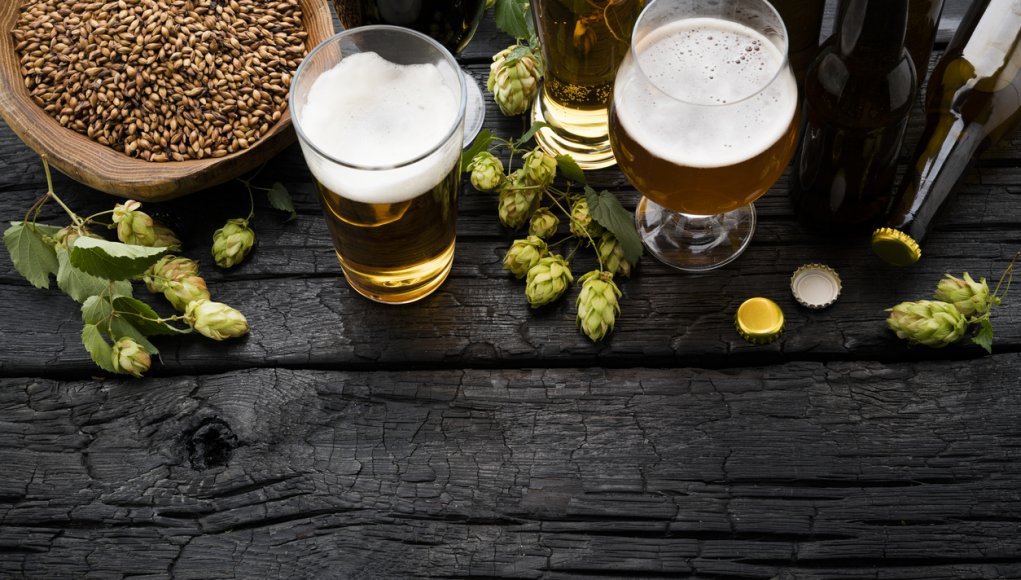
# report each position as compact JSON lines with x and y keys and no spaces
{"x":470,"y":436}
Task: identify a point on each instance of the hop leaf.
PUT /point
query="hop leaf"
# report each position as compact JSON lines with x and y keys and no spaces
{"x":486,"y":171}
{"x":597,"y":304}
{"x":129,"y":358}
{"x":215,"y":320}
{"x":514,"y":79}
{"x":540,"y":167}
{"x":930,"y":322}
{"x":543,"y":223}
{"x":67,"y":235}
{"x":133,"y":225}
{"x":547,"y":280}
{"x":523,"y":254}
{"x":970,"y":297}
{"x":232,"y":242}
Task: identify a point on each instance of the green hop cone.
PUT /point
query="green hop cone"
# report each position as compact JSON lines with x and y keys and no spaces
{"x":169,"y":268}
{"x":165,"y":238}
{"x":523,"y":254}
{"x":215,"y":320}
{"x":582,"y":224}
{"x":543,"y":223}
{"x":518,"y":199}
{"x":970,"y":297}
{"x":486,"y":171}
{"x":930,"y":322}
{"x":597,"y":304}
{"x":232,"y":242}
{"x":183,"y":292}
{"x":547,"y":280}
{"x":129,"y":358}
{"x":134,"y":226}
{"x":66,"y":236}
{"x":612,"y":254}
{"x":540,"y":167}
{"x":514,"y":80}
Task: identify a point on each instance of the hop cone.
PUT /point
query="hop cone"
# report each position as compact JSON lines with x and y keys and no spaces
{"x":523,"y":254}
{"x":612,"y":254}
{"x":543,"y":224}
{"x":582,"y":224}
{"x":970,"y":297}
{"x":597,"y":304}
{"x":540,"y":167}
{"x":166,"y":238}
{"x":514,"y":81}
{"x":169,"y":269}
{"x":134,"y":226}
{"x":232,"y":242}
{"x":547,"y":280}
{"x":517,"y":200}
{"x":183,"y":292}
{"x":215,"y":320}
{"x":486,"y":171}
{"x":66,"y":236}
{"x":930,"y":322}
{"x":129,"y":358}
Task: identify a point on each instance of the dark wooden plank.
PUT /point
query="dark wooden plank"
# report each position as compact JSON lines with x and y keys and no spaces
{"x":802,"y":470}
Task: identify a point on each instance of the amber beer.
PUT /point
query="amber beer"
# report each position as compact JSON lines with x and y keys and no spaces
{"x":383,"y":142}
{"x":583,"y":43}
{"x":709,"y":139}
{"x":451,"y":22}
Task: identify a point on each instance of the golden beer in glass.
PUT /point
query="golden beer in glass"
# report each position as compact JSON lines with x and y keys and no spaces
{"x":582,"y":42}
{"x":379,"y":113}
{"x":703,"y":122}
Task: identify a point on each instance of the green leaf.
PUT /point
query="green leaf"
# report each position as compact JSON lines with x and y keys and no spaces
{"x":514,"y":18}
{"x":569,"y":168}
{"x":527,"y":135}
{"x":113,"y":260}
{"x":33,"y":257}
{"x":121,"y":328}
{"x":96,"y":309}
{"x":143,"y":317}
{"x":280,"y":199}
{"x":79,"y":285}
{"x":984,"y":336}
{"x":608,"y":212}
{"x":99,"y":349}
{"x":480,"y":144}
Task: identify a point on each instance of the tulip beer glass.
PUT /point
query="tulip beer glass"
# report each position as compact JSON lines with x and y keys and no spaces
{"x":379,"y":113}
{"x":583,"y":42}
{"x":703,"y":122}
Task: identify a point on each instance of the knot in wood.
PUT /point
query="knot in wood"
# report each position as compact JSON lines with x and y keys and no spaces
{"x":211,"y":444}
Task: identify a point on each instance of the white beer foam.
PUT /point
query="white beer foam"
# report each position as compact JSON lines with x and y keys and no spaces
{"x":371,"y":112}
{"x":699,"y":65}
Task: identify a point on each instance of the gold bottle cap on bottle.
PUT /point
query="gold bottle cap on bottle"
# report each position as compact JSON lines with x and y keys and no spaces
{"x":815,"y":286}
{"x":759,"y":320}
{"x":895,"y":247}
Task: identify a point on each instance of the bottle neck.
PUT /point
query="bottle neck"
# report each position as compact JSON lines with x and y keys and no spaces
{"x":872,"y":30}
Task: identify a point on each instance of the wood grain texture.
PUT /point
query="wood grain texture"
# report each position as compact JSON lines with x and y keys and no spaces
{"x":112,"y":172}
{"x":801,"y":470}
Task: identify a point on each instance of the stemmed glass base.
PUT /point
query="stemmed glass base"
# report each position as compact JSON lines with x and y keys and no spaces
{"x":694,"y":243}
{"x":474,"y":109}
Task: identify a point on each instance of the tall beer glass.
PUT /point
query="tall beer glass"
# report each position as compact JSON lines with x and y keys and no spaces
{"x":379,"y":113}
{"x":451,"y":22}
{"x":583,"y":42}
{"x":703,"y":122}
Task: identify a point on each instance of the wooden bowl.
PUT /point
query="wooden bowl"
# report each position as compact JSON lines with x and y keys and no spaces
{"x":107,"y":170}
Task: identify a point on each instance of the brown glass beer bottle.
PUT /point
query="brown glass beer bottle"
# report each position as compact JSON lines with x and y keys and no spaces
{"x":858,"y":93}
{"x":803,"y":19}
{"x":973,"y":98}
{"x":923,"y":23}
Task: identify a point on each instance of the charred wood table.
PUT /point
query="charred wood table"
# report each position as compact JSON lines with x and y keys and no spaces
{"x":469,"y":436}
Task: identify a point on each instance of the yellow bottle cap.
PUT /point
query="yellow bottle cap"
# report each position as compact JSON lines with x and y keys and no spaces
{"x":895,"y":247}
{"x":815,"y":286}
{"x":759,"y":320}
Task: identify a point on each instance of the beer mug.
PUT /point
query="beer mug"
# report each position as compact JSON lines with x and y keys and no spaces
{"x":379,"y":114}
{"x":582,"y":42}
{"x":703,"y":122}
